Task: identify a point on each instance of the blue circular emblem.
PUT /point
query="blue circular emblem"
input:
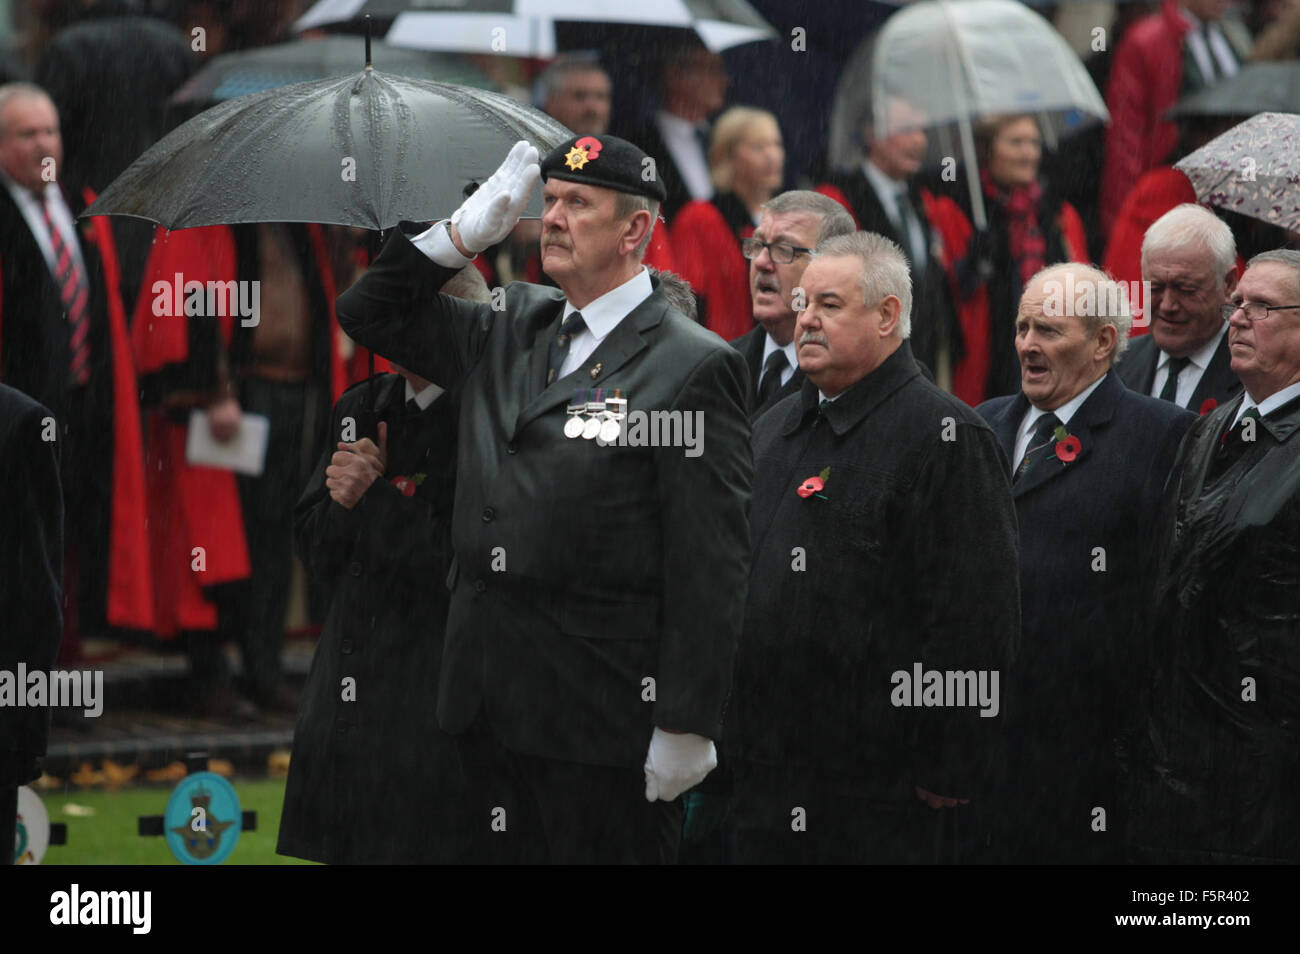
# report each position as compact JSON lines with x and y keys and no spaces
{"x":202,"y":820}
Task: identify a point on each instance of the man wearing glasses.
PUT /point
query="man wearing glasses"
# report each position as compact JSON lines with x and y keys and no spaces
{"x":1189,"y":262}
{"x":1225,"y":714}
{"x":792,"y":224}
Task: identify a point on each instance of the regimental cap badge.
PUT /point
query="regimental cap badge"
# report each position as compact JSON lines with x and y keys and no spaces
{"x":585,"y":150}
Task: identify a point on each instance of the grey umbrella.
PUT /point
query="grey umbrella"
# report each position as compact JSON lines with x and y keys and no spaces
{"x":366,"y":150}
{"x":1252,"y":169}
{"x":1272,"y":87}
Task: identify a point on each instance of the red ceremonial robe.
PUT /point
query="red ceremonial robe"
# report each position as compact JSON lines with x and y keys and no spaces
{"x":197,"y":506}
{"x":130,"y":590}
{"x":710,"y":259}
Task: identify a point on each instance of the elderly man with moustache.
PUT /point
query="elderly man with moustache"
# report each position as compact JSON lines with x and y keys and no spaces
{"x":884,"y":543}
{"x":792,"y":225}
{"x":1189,"y":260}
{"x":1224,"y":729}
{"x":1089,"y":460}
{"x":597,"y":587}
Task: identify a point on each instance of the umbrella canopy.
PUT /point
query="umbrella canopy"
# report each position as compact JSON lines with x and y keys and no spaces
{"x":528,"y":27}
{"x":960,"y":61}
{"x":1252,"y":169}
{"x":367,"y":150}
{"x":231,"y":75}
{"x":1269,"y":87}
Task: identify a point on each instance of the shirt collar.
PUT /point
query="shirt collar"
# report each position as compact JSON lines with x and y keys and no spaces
{"x":1200,"y":357}
{"x":603,"y":315}
{"x":425,"y":397}
{"x":684,"y":127}
{"x":1270,"y":403}
{"x":882,"y":183}
{"x":1065,"y":411}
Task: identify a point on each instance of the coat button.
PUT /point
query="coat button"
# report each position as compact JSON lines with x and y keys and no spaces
{"x":480,"y":586}
{"x":354,"y":568}
{"x":488,"y":514}
{"x":346,"y":646}
{"x":512,"y":448}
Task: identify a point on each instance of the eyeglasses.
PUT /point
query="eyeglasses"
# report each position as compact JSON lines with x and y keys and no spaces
{"x":782,"y":253}
{"x":1254,"y":310}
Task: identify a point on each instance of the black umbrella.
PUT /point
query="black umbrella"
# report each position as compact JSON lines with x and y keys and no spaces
{"x":231,"y":75}
{"x":367,"y":150}
{"x":1272,"y":87}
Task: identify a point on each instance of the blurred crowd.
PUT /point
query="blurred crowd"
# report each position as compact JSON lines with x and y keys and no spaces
{"x":194,"y":557}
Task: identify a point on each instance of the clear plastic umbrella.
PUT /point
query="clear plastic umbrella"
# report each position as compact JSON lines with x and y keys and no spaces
{"x":956,"y":61}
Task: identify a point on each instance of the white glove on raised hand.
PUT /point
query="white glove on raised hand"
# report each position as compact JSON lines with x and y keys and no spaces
{"x":677,"y":762}
{"x":488,"y":215}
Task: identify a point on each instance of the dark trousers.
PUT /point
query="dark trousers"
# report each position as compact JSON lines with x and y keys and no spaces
{"x":791,"y":815}
{"x":253,"y":611}
{"x":555,"y":812}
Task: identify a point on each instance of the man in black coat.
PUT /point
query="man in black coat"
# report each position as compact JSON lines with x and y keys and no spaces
{"x":882,"y":604}
{"x":1189,"y":262}
{"x":597,"y":590}
{"x":31,"y":571}
{"x":885,"y":197}
{"x":373,"y":780}
{"x":1224,"y":747}
{"x":792,"y":225}
{"x":1089,"y":460}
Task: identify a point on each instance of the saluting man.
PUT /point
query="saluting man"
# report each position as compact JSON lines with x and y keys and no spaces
{"x":599,"y":580}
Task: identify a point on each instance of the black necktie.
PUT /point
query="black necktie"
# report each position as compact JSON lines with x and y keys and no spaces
{"x":1170,"y":391}
{"x":1042,"y":440}
{"x":770,"y":379}
{"x":560,"y":346}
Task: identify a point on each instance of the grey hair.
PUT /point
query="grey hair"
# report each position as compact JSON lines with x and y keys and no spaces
{"x":678,"y":291}
{"x":1190,"y":224}
{"x":834,"y":217}
{"x":884,"y":270}
{"x":468,"y":284}
{"x":1110,"y":299}
{"x":19,"y":90}
{"x":1281,"y":256}
{"x":626,"y":205}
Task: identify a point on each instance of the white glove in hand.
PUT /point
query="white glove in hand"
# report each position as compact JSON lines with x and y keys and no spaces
{"x":487,"y":216}
{"x":677,"y":762}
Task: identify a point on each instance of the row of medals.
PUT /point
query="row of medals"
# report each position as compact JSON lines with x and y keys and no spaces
{"x":593,"y":414}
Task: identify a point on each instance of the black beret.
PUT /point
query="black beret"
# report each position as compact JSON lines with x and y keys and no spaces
{"x":605,"y":161}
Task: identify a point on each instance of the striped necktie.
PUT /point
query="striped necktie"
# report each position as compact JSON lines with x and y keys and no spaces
{"x":74,"y":294}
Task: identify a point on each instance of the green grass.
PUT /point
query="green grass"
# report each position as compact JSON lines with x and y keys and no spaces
{"x":108,"y":837}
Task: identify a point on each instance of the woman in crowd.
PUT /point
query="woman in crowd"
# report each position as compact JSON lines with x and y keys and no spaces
{"x":748,"y":164}
{"x":1029,"y":228}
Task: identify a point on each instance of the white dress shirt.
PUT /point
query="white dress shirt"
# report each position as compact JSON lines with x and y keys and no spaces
{"x":602,"y":316}
{"x":681,"y":141}
{"x":1063,"y":414}
{"x":791,"y":358}
{"x":1190,"y":379}
{"x":31,"y":208}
